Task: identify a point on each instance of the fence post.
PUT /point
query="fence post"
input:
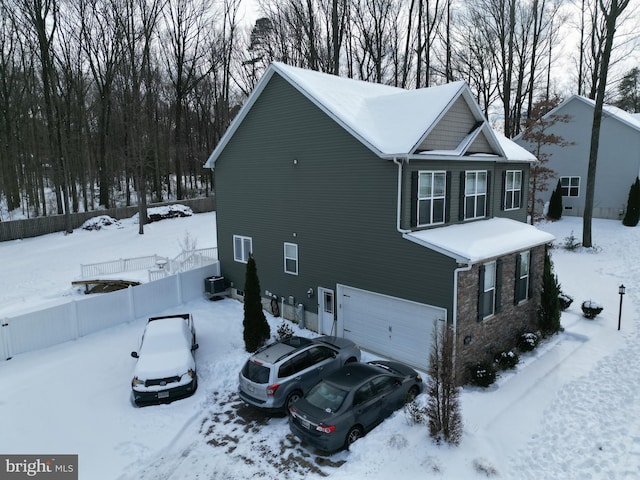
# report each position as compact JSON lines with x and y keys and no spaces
{"x":132,"y":306}
{"x":179,"y":285}
{"x":5,"y":339}
{"x":75,"y":319}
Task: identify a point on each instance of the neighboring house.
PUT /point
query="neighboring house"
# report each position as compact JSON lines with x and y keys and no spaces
{"x":375,"y":212}
{"x":618,"y":157}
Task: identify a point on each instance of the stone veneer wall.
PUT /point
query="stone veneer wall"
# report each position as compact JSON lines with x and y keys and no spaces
{"x":497,"y":333}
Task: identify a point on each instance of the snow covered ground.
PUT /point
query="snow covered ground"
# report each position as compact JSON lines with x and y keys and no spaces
{"x":570,"y":410}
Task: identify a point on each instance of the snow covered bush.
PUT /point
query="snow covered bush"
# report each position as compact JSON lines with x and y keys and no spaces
{"x":416,"y":415}
{"x":565,"y":300}
{"x":482,"y":374}
{"x":97,"y":223}
{"x":527,"y":342}
{"x":571,"y":243}
{"x":591,"y":309}
{"x":506,"y":360}
{"x":284,"y":331}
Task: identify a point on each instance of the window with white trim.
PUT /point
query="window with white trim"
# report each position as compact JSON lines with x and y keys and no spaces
{"x":475,"y":194}
{"x":512,"y":189}
{"x":431,"y":197}
{"x":570,"y":186}
{"x":242,"y":248}
{"x":522,"y":277}
{"x":487,"y":303}
{"x":291,"y":258}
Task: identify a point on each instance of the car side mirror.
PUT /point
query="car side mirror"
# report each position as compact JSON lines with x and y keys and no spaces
{"x":194,"y":347}
{"x":134,"y":354}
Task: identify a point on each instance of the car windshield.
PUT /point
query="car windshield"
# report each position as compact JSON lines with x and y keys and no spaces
{"x":326,"y":397}
{"x":255,"y":372}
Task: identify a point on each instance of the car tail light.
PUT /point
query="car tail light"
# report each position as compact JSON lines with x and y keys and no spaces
{"x":271,"y":389}
{"x":326,"y":428}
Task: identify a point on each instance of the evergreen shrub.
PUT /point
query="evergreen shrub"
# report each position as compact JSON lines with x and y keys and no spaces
{"x":506,"y":360}
{"x":527,"y":342}
{"x":482,"y":374}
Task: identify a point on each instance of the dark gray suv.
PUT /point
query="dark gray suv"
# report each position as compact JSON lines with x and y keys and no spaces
{"x":280,"y":373}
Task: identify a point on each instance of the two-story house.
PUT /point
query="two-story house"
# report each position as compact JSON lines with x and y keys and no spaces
{"x":378,"y":212}
{"x":618,"y":163}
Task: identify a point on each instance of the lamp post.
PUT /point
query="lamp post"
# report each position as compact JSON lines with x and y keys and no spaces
{"x":621,"y":290}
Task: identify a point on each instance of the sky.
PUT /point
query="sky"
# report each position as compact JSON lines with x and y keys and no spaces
{"x":568,"y":411}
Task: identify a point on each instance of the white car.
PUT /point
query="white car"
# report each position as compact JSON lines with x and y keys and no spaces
{"x":166,"y":367}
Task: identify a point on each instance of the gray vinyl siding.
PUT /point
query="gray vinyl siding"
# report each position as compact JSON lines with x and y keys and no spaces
{"x":449,"y":132}
{"x":618,"y":160}
{"x":338,"y":204}
{"x":455,"y":189}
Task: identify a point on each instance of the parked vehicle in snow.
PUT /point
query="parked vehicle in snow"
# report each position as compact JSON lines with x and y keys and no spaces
{"x":280,"y":373}
{"x":351,"y":401}
{"x":166,"y":367}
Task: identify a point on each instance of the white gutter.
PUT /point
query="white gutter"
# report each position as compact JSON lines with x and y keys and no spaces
{"x":399,"y":200}
{"x":466,"y":268}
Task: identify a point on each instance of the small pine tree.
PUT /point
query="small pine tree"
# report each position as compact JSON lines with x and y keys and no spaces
{"x":632,"y":215}
{"x":256,"y":327}
{"x":555,"y":203}
{"x":443,"y":407}
{"x":549,"y":310}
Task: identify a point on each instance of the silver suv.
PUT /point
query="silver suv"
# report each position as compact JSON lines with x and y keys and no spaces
{"x":280,"y":373}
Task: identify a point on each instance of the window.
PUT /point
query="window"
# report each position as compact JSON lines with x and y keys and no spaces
{"x":487,"y":293}
{"x":431,"y":197}
{"x":522,"y":277}
{"x":475,"y":194}
{"x":242,"y":248}
{"x":291,"y":258}
{"x":570,"y":186}
{"x":512,"y":189}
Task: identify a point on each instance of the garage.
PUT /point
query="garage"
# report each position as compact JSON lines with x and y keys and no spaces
{"x":389,"y":326}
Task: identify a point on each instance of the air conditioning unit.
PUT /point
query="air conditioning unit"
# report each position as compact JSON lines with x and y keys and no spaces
{"x":213,"y":285}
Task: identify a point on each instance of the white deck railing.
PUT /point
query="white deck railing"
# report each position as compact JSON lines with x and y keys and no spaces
{"x":159,"y":267}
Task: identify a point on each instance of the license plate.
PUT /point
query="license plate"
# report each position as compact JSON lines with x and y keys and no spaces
{"x":163,"y":394}
{"x":250,"y":388}
{"x":305,"y":424}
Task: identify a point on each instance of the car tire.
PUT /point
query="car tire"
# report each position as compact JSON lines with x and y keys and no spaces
{"x":291,"y":398}
{"x":354,"y":434}
{"x":413,"y":393}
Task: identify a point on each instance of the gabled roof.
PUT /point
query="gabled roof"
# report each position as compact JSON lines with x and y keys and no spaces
{"x":390,"y":121}
{"x":630,"y":119}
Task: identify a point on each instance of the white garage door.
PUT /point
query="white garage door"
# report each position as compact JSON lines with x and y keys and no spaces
{"x":389,"y":326}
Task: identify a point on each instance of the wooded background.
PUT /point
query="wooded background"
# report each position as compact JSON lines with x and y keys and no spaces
{"x":111,"y":101}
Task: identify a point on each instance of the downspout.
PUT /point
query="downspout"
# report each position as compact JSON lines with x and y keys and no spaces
{"x":465,"y":268}
{"x":399,"y":162}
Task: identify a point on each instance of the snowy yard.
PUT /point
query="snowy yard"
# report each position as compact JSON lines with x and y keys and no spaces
{"x":570,"y":410}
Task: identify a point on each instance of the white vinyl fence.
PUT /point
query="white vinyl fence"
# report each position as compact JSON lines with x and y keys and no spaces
{"x":69,"y":321}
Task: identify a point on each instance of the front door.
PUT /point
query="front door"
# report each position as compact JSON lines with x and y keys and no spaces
{"x":326,"y":311}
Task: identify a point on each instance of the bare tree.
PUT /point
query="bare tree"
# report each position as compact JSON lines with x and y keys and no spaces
{"x":611,"y":11}
{"x":443,"y":407}
{"x":185,"y":30}
{"x":539,"y":138}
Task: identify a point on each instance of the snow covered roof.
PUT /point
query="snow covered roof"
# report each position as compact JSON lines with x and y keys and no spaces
{"x":630,"y":119}
{"x":390,"y":121}
{"x":482,"y":240}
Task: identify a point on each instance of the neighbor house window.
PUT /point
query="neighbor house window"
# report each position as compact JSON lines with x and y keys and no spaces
{"x":522,"y":276}
{"x":512,"y":189}
{"x":242,"y":248}
{"x":570,"y":186}
{"x":475,"y":194}
{"x":431,"y":197}
{"x":488,"y":289}
{"x":291,"y":258}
